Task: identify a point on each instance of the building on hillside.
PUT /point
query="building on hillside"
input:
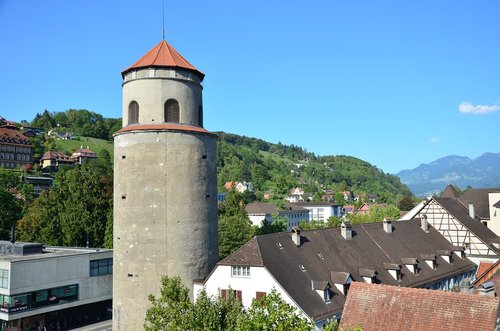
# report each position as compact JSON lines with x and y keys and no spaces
{"x":294,"y":198}
{"x":39,"y":184}
{"x":52,"y":160}
{"x":321,"y":211}
{"x":165,"y":184}
{"x":16,"y":149}
{"x":31,"y":132}
{"x":83,"y":154}
{"x":53,"y":286}
{"x":312,"y":270}
{"x":239,"y":186}
{"x":458,"y":223}
{"x":393,"y":308}
{"x":259,"y":212}
{"x":365,"y":208}
{"x":348,"y":209}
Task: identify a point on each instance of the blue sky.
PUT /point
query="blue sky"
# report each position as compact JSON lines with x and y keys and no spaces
{"x":395,"y":83}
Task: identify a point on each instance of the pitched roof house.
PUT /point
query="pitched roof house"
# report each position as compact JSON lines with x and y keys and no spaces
{"x":53,"y":160}
{"x":383,"y":307}
{"x":83,"y":154}
{"x":458,"y":223}
{"x":263,"y":211}
{"x":312,"y":270}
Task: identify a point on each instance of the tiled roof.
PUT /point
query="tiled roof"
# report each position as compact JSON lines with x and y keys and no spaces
{"x":382,"y":307}
{"x":478,"y":197}
{"x":59,"y":156}
{"x":325,"y":250}
{"x":164,"y":127}
{"x":163,"y":55}
{"x":461,"y":214}
{"x":258,"y":207}
{"x":450,"y":192}
{"x":483,"y":267}
{"x":314,"y":204}
{"x":11,"y":136}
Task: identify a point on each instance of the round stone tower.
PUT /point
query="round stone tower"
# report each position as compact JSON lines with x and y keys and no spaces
{"x":165,"y":186}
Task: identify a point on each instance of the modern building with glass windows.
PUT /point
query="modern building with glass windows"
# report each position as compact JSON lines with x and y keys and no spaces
{"x":55,"y":287}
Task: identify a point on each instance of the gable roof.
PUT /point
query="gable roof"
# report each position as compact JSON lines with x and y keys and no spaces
{"x":382,"y":307}
{"x":478,"y":197}
{"x":163,"y":55}
{"x":449,"y":192}
{"x":461,"y":213}
{"x":13,"y":136}
{"x":324,"y":251}
{"x":265,"y":208}
{"x":59,"y":156}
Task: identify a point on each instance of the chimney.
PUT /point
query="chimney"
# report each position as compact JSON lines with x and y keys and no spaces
{"x":471,"y":210}
{"x":424,"y":224}
{"x":346,"y":230}
{"x":387,"y":224}
{"x":465,"y":286}
{"x":487,"y":289}
{"x":296,"y":235}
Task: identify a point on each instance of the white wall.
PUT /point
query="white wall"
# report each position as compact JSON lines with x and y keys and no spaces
{"x":494,"y":222}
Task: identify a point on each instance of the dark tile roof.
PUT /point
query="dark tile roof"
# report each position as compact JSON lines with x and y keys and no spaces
{"x":497,"y":204}
{"x":450,"y":192}
{"x":370,"y":247}
{"x":269,"y":208}
{"x":381,"y":307}
{"x":478,"y":197}
{"x":461,"y":214}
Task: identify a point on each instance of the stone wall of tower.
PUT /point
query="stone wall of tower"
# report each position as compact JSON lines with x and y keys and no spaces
{"x":165,"y":216}
{"x":165,"y":193}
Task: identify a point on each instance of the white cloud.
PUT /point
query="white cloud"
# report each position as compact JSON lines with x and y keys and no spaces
{"x":434,"y":140}
{"x":469,"y":108}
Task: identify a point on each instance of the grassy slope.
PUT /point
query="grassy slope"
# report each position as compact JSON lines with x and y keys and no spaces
{"x":69,"y":146}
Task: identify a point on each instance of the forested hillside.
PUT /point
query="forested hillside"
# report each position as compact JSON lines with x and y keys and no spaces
{"x":276,"y":168}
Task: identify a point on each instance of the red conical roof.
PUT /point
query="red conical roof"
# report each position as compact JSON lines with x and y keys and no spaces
{"x":163,"y":55}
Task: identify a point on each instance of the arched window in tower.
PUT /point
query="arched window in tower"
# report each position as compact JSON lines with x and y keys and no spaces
{"x":171,"y":110}
{"x":200,"y":116}
{"x":133,"y":113}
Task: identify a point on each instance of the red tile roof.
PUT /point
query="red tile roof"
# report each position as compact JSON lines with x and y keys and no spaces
{"x":10,"y":136}
{"x":384,"y":307}
{"x":163,"y":55}
{"x":165,"y":127}
{"x":483,"y":267}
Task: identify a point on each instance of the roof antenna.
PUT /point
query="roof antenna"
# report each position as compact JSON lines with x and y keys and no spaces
{"x":163,"y":21}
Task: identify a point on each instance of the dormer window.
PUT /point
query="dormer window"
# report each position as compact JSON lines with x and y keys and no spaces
{"x":446,"y":255}
{"x":394,"y":269}
{"x":341,"y":280}
{"x":323,"y":290}
{"x":411,"y":263}
{"x":368,"y":275}
{"x":430,"y":259}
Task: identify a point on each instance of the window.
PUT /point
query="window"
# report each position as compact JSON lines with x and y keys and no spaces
{"x":240,"y":271}
{"x":259,"y":295}
{"x":4,"y":278}
{"x":238,"y":294}
{"x":171,"y":111}
{"x":200,"y":116}
{"x":101,"y":267}
{"x":133,"y":113}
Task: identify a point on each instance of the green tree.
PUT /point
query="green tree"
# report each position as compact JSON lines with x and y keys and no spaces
{"x":406,"y":203}
{"x":15,"y":196}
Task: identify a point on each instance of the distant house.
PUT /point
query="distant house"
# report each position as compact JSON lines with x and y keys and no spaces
{"x":294,"y":198}
{"x":372,"y":197}
{"x":393,"y":308}
{"x":39,"y":184}
{"x":348,"y":209}
{"x":239,"y":186}
{"x":365,"y":208}
{"x":313,"y":270}
{"x":83,"y":154}
{"x":16,"y":149}
{"x":348,"y":195}
{"x":297,"y":190}
{"x":321,"y":211}
{"x":460,"y":225}
{"x":52,"y":160}
{"x":263,"y":211}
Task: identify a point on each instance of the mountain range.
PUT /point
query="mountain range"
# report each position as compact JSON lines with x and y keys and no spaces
{"x":432,"y":178}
